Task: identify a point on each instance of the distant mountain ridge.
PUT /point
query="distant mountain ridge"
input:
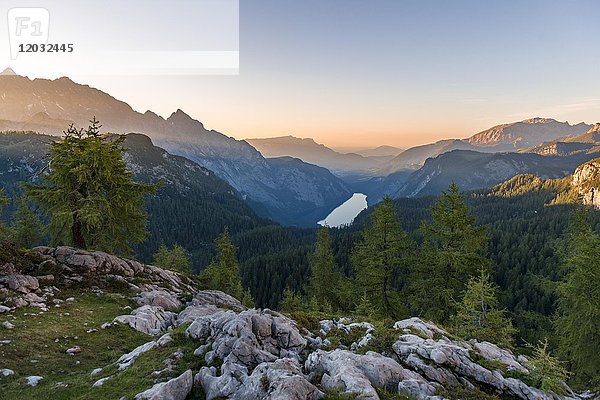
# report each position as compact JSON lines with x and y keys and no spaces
{"x":474,"y":170}
{"x":587,"y":142}
{"x":501,"y":138}
{"x":381,"y":151}
{"x":413,"y":158}
{"x":315,"y":153}
{"x":525,"y":134}
{"x":48,"y":106}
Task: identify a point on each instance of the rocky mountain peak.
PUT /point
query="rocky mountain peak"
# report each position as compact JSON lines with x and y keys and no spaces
{"x":595,"y":128}
{"x":180,"y":119}
{"x":538,"y":120}
{"x":526,"y":134}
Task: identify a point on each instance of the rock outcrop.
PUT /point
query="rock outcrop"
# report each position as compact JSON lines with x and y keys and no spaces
{"x":176,"y":389}
{"x":260,"y":354}
{"x":586,"y":180}
{"x":360,"y":374}
{"x":152,"y":320}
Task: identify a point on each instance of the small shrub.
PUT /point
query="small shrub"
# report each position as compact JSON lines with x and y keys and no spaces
{"x":306,"y":320}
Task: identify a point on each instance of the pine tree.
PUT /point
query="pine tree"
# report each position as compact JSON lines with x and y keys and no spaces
{"x":90,"y":194}
{"x":478,"y":316}
{"x":324,"y":283}
{"x":546,"y":372}
{"x":451,"y":254}
{"x":26,"y":229}
{"x":175,"y":259}
{"x":223,"y":273}
{"x":578,"y":317}
{"x":382,"y":258}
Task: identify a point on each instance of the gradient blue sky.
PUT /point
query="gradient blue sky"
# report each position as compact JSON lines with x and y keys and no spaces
{"x":400,"y":72}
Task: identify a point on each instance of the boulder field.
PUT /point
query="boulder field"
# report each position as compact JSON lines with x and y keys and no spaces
{"x":260,"y":353}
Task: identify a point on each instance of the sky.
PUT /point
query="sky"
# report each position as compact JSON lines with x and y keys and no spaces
{"x":358,"y":73}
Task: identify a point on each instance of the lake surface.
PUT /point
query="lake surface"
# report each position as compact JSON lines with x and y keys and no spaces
{"x":345,"y":213}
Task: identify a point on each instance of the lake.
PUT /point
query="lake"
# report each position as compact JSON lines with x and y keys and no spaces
{"x":345,"y":213}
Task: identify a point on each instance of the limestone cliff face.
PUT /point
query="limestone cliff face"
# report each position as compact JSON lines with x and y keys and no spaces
{"x":586,"y":180}
{"x":529,"y":133}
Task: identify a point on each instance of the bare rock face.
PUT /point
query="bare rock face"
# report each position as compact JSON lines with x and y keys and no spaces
{"x":278,"y":380}
{"x":242,"y":342}
{"x":248,"y":338}
{"x":358,"y":375}
{"x":151,"y":320}
{"x":96,"y":261}
{"x":449,"y":363}
{"x":217,"y":298}
{"x":77,"y":264}
{"x":491,"y":352}
{"x":22,"y":283}
{"x":159,"y":298}
{"x":586,"y":180}
{"x":176,"y":389}
{"x":421,"y":327}
{"x":191,"y":313}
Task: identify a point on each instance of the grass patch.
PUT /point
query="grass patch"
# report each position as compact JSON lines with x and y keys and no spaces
{"x":338,"y":395}
{"x":306,"y":320}
{"x":39,"y":343}
{"x":461,"y":393}
{"x":385,"y":395}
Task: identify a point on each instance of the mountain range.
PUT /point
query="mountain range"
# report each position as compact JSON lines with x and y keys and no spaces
{"x":585,"y":143}
{"x":475,"y":170}
{"x":290,"y":192}
{"x":297,"y":181}
{"x":341,"y":164}
{"x":381,"y":163}
{"x":542,"y":146}
{"x":384,"y":151}
{"x":526,"y":134}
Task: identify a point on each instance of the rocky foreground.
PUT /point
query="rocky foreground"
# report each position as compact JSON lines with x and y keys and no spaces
{"x":244,"y":353}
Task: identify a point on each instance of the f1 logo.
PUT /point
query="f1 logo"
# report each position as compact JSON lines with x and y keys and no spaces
{"x":27,"y":26}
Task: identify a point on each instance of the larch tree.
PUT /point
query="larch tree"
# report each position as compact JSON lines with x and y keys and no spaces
{"x":26,"y":228}
{"x":174,"y":259}
{"x":90,"y":195}
{"x":577,"y":321}
{"x":546,"y":371}
{"x":381,"y":258}
{"x":451,"y":254}
{"x":224,"y":272}
{"x":325,"y":279}
{"x":247,"y":299}
{"x":478,"y":316}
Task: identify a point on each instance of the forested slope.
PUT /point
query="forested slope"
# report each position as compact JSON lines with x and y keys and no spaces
{"x":524,"y":223}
